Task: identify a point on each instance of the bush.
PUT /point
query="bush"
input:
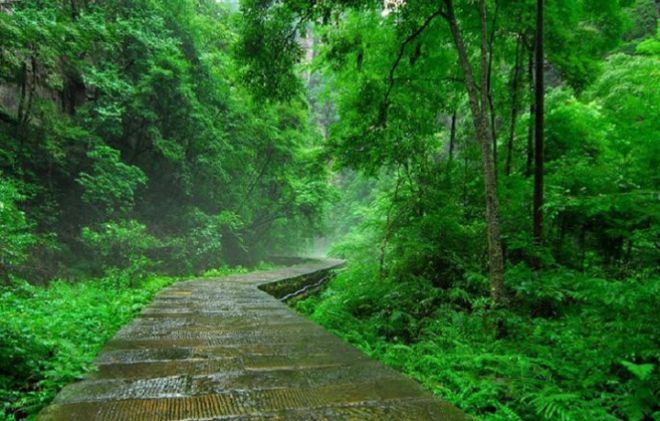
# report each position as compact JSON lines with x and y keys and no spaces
{"x":50,"y":336}
{"x":16,"y":232}
{"x":203,"y":245}
{"x":111,"y":185}
{"x":121,"y":248}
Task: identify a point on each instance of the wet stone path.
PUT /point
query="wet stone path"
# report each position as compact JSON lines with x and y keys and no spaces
{"x":222,"y":349}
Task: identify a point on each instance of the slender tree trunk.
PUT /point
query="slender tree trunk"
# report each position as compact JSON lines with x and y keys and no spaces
{"x":478,"y":107}
{"x":452,"y":144}
{"x":514,"y":108}
{"x":74,"y":10}
{"x":388,"y":229}
{"x":32,"y":91}
{"x":491,"y":102}
{"x":491,"y":108}
{"x":538,"y":127}
{"x":465,"y":179}
{"x":532,"y":114}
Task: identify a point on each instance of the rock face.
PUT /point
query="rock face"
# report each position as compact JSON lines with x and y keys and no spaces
{"x":224,"y":349}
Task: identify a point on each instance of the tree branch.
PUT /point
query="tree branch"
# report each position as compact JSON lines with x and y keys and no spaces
{"x":402,"y":48}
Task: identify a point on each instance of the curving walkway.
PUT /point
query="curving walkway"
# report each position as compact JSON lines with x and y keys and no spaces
{"x":223,"y":349}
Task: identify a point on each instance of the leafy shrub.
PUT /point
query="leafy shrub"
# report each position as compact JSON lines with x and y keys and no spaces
{"x":111,"y":184}
{"x":50,"y":336}
{"x":16,"y":232}
{"x":121,"y":247}
{"x":203,"y":244}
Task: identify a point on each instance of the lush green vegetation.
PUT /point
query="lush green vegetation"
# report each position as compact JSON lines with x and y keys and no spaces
{"x":488,"y":167}
{"x":541,"y":302}
{"x":51,"y":335}
{"x":574,"y":347}
{"x":130,"y":142}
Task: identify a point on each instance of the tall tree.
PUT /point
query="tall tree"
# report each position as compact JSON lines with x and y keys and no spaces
{"x":478,"y":100}
{"x":515,"y":88}
{"x":539,"y":99}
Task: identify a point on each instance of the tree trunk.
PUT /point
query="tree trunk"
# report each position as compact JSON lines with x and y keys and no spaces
{"x":491,"y":102}
{"x":31,"y":84}
{"x":478,"y":107}
{"x":388,"y":229}
{"x":452,"y":145}
{"x":74,"y":10}
{"x":532,"y":113}
{"x":538,"y":128}
{"x":23,"y":80}
{"x":514,"y":108}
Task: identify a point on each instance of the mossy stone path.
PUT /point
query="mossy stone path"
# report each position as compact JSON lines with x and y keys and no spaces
{"x":223,"y":349}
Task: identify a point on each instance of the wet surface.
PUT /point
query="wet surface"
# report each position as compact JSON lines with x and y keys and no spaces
{"x":222,"y":349}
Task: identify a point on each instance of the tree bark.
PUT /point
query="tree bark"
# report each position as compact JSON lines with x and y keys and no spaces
{"x":514,"y":109}
{"x":532,"y":114}
{"x":388,"y":229}
{"x":478,"y":106}
{"x":491,"y":101}
{"x":452,"y":144}
{"x":538,"y":127}
{"x":23,"y":80}
{"x":74,"y":10}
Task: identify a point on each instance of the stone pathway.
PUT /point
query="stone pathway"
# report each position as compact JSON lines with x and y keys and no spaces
{"x":222,"y":349}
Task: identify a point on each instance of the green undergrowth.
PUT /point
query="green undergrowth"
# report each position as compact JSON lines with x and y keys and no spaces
{"x":237,"y":270}
{"x":49,"y":336}
{"x":570,"y":347}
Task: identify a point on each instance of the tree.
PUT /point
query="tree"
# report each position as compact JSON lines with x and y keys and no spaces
{"x":478,"y":99}
{"x":539,"y":111}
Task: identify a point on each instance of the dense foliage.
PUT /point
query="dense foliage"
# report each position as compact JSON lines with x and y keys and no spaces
{"x":576,"y":347}
{"x":576,"y":335}
{"x":127,"y":138}
{"x":34,"y":362}
{"x":499,"y":206}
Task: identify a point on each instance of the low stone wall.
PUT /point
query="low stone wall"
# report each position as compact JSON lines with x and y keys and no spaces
{"x":300,"y":286}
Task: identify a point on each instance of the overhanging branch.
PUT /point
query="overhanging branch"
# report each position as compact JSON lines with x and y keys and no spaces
{"x":416,"y":33}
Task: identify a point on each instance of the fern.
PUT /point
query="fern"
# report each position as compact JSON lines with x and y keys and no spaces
{"x":506,"y":413}
{"x":552,"y":406}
